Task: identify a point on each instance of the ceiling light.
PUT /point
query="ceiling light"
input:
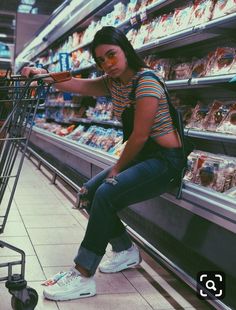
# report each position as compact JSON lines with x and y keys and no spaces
{"x":34,"y":10}
{"x":24,"y":8}
{"x":3,"y":35}
{"x":29,"y":2}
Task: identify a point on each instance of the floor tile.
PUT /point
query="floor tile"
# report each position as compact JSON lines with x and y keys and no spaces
{"x":42,"y":209}
{"x":22,"y":243}
{"x":14,"y":229}
{"x":57,"y":255}
{"x":129,"y":301}
{"x":113,"y":283}
{"x":43,"y":221}
{"x":56,"y":235}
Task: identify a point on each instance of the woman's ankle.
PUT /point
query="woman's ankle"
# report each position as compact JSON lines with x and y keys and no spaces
{"x":84,"y":272}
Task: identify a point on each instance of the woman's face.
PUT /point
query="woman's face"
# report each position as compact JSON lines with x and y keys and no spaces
{"x":111,"y":59}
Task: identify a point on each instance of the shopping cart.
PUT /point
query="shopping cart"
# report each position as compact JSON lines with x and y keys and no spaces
{"x":22,"y":97}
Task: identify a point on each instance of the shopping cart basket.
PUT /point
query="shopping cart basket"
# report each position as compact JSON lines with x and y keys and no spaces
{"x":22,"y":97}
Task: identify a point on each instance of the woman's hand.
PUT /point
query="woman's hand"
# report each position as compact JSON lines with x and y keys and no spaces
{"x":114,"y":171}
{"x":30,"y":71}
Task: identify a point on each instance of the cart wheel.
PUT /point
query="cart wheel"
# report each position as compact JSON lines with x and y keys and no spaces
{"x":18,"y":304}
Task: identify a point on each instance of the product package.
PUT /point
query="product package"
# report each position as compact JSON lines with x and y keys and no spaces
{"x":224,"y":7}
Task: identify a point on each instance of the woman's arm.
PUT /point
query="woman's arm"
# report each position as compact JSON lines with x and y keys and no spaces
{"x":85,"y":87}
{"x":144,"y":118}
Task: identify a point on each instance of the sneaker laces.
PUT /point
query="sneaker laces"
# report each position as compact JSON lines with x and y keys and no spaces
{"x":68,"y":277}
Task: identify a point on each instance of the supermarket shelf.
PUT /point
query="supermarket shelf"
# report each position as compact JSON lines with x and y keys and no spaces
{"x":209,"y":204}
{"x":188,"y":36}
{"x":213,"y":206}
{"x":203,"y":81}
{"x":97,"y":157}
{"x":192,"y":35}
{"x":208,"y":135}
{"x":93,"y":121}
{"x":62,"y":105}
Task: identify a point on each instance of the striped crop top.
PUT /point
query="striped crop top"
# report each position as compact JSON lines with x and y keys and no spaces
{"x":147,"y":86}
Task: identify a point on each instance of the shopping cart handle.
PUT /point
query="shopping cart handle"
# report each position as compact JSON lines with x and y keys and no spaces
{"x":53,"y":77}
{"x":35,"y":77}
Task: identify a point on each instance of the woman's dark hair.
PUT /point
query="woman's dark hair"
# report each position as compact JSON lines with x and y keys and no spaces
{"x":112,"y":35}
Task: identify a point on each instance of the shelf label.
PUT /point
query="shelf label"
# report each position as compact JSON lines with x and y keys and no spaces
{"x":64,"y":61}
{"x":194,"y":82}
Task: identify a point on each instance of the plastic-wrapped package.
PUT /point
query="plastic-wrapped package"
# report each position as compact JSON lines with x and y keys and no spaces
{"x":195,"y":161}
{"x":197,"y":118}
{"x":181,"y":17}
{"x":202,"y":12}
{"x":131,"y":9}
{"x":184,"y":105}
{"x":199,"y":67}
{"x":228,"y":123}
{"x":131,"y":35}
{"x":76,"y":133}
{"x":207,"y":173}
{"x":216,"y":113}
{"x":160,"y":65}
{"x":225,"y":174}
{"x":165,"y":26}
{"x":181,"y":71}
{"x":212,"y":171}
{"x":154,"y":30}
{"x":223,"y":7}
{"x":119,"y":13}
{"x":141,"y":35}
{"x":220,"y":61}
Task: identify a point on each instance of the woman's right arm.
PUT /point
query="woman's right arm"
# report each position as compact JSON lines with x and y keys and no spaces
{"x":85,"y":87}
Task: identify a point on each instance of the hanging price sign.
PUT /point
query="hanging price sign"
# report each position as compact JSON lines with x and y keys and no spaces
{"x":64,"y":61}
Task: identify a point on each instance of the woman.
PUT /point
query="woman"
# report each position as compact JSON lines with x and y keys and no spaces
{"x":152,"y":157}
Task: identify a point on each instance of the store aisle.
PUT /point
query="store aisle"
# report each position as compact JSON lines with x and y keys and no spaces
{"x":43,"y":223}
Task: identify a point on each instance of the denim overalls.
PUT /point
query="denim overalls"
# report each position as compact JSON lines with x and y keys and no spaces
{"x":148,"y":176}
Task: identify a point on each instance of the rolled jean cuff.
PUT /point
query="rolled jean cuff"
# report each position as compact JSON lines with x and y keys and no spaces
{"x":88,"y":260}
{"x":121,"y":243}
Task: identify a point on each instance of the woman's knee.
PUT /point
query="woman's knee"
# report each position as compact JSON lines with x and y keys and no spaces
{"x":104,"y":197}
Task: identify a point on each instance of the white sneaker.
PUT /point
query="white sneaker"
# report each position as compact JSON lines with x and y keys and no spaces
{"x":71,"y":286}
{"x":121,"y":260}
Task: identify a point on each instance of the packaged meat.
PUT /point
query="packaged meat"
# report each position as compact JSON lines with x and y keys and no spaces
{"x":198,"y":115}
{"x":181,"y":17}
{"x":220,"y":62}
{"x":161,"y":65}
{"x":215,"y":115}
{"x":199,"y":67}
{"x":201,"y":12}
{"x":181,"y":71}
{"x":228,"y":123}
{"x":224,"y":7}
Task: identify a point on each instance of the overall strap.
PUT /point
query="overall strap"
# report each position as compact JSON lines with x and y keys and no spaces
{"x":175,"y":114}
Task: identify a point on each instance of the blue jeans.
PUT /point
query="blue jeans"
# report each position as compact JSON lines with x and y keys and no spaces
{"x":103,"y":197}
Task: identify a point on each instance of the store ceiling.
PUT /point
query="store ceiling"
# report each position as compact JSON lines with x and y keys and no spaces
{"x":8,"y":10}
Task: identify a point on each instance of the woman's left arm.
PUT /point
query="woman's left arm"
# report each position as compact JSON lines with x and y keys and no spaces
{"x":145,"y":112}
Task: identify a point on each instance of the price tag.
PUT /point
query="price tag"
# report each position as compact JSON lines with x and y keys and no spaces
{"x":133,"y":20}
{"x":194,"y":82}
{"x":143,"y":15}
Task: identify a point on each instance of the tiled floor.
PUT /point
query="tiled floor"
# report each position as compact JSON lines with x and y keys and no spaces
{"x":43,"y":223}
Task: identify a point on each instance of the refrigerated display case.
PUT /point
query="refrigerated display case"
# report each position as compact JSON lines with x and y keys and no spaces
{"x":197,"y":232}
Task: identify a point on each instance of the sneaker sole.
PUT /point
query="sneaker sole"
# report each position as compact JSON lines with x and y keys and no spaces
{"x":121,"y":267}
{"x":71,"y":296}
